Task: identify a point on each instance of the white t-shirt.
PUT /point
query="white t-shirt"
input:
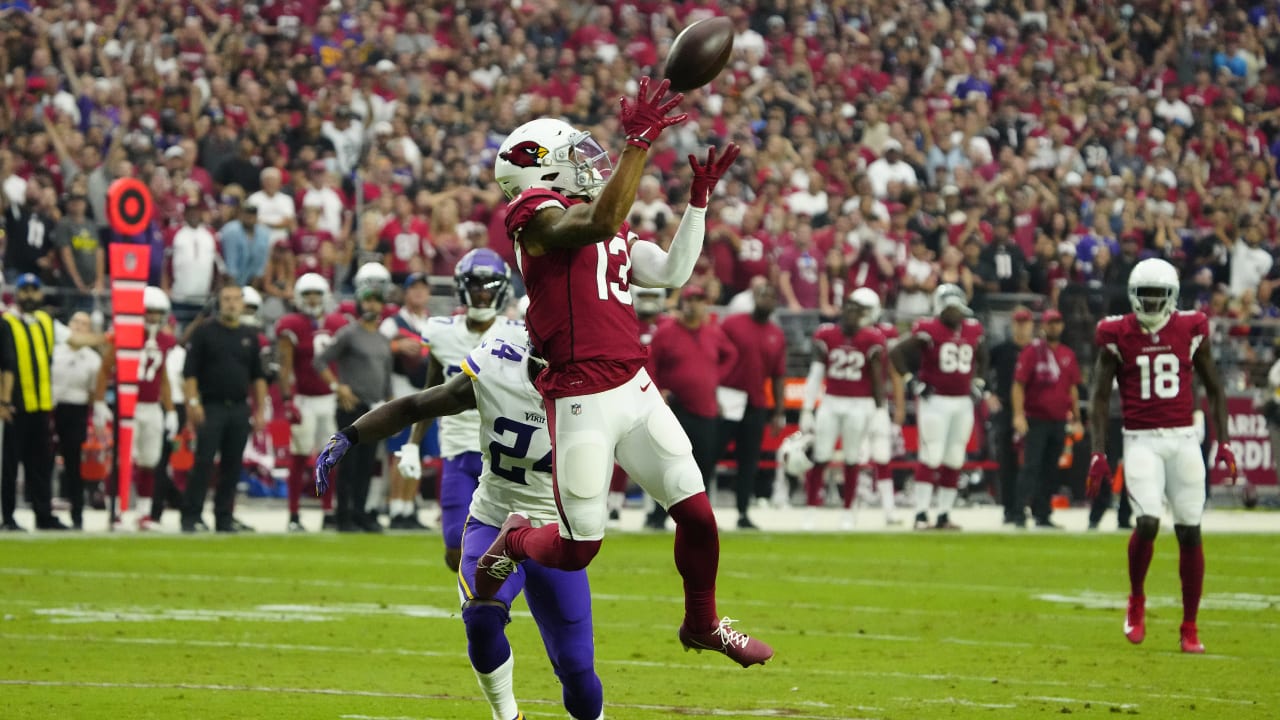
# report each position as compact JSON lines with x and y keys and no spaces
{"x":273,"y":209}
{"x":195,"y":258}
{"x":648,"y":213}
{"x":1249,"y":265}
{"x":74,"y":374}
{"x":882,"y":172}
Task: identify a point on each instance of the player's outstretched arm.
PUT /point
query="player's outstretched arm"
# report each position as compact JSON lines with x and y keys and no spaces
{"x":655,"y":266}
{"x":450,"y":398}
{"x":643,"y":120}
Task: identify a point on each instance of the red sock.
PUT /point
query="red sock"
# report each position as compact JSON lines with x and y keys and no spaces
{"x":1140,"y":552}
{"x":1191,"y":570}
{"x":948,"y":477}
{"x":882,"y":471}
{"x":813,"y":482}
{"x":144,"y":481}
{"x":297,"y":478}
{"x":850,"y":485}
{"x":926,"y":474}
{"x":544,"y":546}
{"x":697,"y":553}
{"x":619,"y":481}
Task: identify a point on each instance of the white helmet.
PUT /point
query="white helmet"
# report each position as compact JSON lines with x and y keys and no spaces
{"x":648,"y":301}
{"x":869,"y":301}
{"x":552,"y":154}
{"x":373,"y":275}
{"x":252,"y":301}
{"x":155,"y":300}
{"x":1153,"y":292}
{"x":310,"y":283}
{"x":949,"y":295}
{"x":793,"y":453}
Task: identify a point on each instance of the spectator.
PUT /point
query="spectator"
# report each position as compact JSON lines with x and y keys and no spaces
{"x":799,"y":269}
{"x":73,"y":374}
{"x":650,"y":213}
{"x":245,"y":242}
{"x":744,"y":412}
{"x":890,"y":171}
{"x":81,"y":252}
{"x":275,"y":208}
{"x":194,"y":263}
{"x":1003,"y":266}
{"x":1046,"y":407}
{"x":27,"y":227}
{"x":363,"y":381}
{"x":689,"y":358}
{"x":223,"y":363}
{"x":241,"y":168}
{"x":407,"y":333}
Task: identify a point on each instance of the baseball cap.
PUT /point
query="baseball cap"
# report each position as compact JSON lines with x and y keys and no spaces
{"x":1021,"y":315}
{"x":892,"y":144}
{"x":229,"y":200}
{"x":414,"y":279}
{"x":316,"y":166}
{"x":174,"y":151}
{"x":28,"y":280}
{"x":1051,"y":316}
{"x":693,"y":292}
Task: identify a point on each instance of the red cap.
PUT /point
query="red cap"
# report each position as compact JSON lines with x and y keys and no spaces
{"x":1021,"y":315}
{"x":1051,"y":316}
{"x":693,"y":291}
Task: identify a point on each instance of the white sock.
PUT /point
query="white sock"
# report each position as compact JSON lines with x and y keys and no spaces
{"x":615,"y":501}
{"x":497,"y":689}
{"x":946,"y":499}
{"x":924,"y":493}
{"x":394,"y":508}
{"x":885,"y":488}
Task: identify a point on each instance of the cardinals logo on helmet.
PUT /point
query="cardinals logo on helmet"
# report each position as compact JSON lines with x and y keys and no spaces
{"x":525,"y":154}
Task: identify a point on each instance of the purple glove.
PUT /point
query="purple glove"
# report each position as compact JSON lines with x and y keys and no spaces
{"x":332,"y":454}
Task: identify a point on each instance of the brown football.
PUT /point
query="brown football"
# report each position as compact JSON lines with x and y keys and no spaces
{"x":699,"y":53}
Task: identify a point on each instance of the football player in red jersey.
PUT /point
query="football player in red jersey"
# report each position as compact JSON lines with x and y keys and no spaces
{"x":1151,"y":352}
{"x":567,"y":218}
{"x":953,"y":361}
{"x":154,"y":419}
{"x":309,"y":402}
{"x":849,"y":357}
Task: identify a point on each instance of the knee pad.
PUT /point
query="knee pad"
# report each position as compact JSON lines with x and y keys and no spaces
{"x":1188,"y":535}
{"x":578,"y":553}
{"x":486,"y":623}
{"x":583,"y":694}
{"x":1147,"y":527}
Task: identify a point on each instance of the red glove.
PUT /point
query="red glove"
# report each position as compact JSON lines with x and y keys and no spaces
{"x":1099,"y":473}
{"x":291,"y":413}
{"x":706,"y":176}
{"x":1228,"y":460}
{"x":644,"y":119}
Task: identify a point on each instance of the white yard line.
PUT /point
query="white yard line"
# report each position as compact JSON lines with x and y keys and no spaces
{"x":1206,"y":696}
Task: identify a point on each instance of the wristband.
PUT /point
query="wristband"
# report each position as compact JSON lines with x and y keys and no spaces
{"x":333,"y":386}
{"x":350,"y":433}
{"x":637,"y":141}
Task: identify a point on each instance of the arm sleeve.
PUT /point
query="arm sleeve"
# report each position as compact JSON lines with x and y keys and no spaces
{"x":813,"y":384}
{"x":652,"y":267}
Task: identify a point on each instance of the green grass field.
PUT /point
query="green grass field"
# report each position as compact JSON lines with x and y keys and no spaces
{"x":865,"y":626}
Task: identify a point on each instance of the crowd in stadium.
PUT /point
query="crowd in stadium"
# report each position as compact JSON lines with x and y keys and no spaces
{"x":1021,"y":147}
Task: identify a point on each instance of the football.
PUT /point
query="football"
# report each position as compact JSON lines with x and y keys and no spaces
{"x":699,"y":53}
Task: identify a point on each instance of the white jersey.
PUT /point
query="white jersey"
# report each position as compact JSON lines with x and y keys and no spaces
{"x":517,"y":445}
{"x":450,"y":341}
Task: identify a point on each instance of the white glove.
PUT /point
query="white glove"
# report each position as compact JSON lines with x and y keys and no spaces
{"x":881,"y":425}
{"x":806,"y":421}
{"x":409,"y":461}
{"x":101,"y":414}
{"x":171,"y":423}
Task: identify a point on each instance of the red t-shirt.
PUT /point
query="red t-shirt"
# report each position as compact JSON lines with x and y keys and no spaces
{"x":1047,"y":375}
{"x":1154,"y":369}
{"x":762,"y":355}
{"x":689,"y":363}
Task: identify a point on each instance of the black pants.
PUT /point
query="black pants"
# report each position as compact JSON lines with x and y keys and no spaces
{"x":164,"y":480}
{"x":71,"y":423}
{"x":225,"y":431}
{"x":1115,"y":453}
{"x":27,"y":441}
{"x":1041,"y":448}
{"x":703,"y":435}
{"x":746,"y":434}
{"x":357,"y":470}
{"x":1007,"y":459}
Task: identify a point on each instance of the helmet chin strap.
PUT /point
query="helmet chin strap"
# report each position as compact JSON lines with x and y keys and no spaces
{"x":481,"y":314}
{"x":1152,"y":322}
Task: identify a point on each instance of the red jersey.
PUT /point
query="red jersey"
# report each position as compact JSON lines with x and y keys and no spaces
{"x":585,"y":330}
{"x":408,"y":240}
{"x":151,"y":366}
{"x":847,"y":357}
{"x":756,"y":255}
{"x":1154,"y":369}
{"x":309,"y":338}
{"x":947,"y":359}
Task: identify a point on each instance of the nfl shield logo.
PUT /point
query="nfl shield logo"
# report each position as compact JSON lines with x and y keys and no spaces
{"x":576,"y":409}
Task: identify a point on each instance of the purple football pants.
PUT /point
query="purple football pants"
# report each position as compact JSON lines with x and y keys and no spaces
{"x":458,"y":480}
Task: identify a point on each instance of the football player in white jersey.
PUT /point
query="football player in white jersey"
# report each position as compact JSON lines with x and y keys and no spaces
{"x":483,"y":281}
{"x":496,"y":385}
